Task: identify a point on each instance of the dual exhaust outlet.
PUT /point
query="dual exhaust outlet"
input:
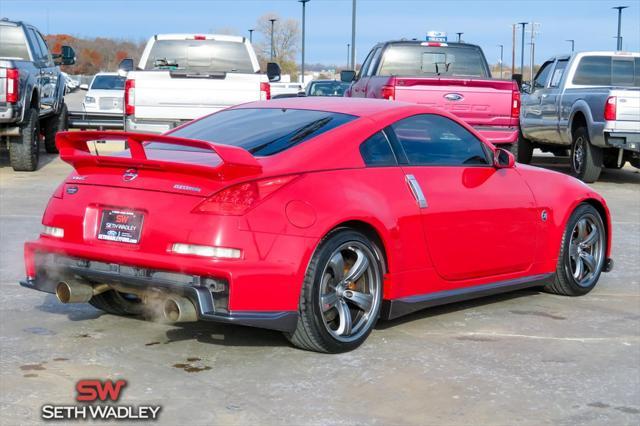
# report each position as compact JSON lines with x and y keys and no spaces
{"x":174,"y":308}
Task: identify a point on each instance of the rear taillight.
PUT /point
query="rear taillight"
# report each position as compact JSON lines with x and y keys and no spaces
{"x":515,"y":102}
{"x":129,"y":97}
{"x":265,"y":91}
{"x":610,"y":108}
{"x":199,"y":37}
{"x":239,"y":199}
{"x":388,"y":92}
{"x":12,"y":83}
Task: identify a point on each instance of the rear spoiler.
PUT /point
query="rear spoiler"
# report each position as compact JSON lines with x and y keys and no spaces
{"x":235,"y":162}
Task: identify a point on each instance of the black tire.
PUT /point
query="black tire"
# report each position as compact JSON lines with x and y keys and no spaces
{"x":610,"y":160}
{"x":313,"y":330}
{"x":586,"y":159}
{"x":24,"y":150}
{"x":53,"y":125}
{"x":635,"y":162}
{"x":116,"y":303}
{"x":561,"y":152}
{"x":563,"y":281}
{"x":522,"y":149}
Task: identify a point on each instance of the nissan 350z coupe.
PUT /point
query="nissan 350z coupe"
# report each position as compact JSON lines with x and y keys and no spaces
{"x":312,"y":216}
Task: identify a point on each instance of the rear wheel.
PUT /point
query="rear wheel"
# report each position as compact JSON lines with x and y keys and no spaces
{"x":24,"y":149}
{"x":341,"y":295}
{"x":117,"y":303}
{"x":53,"y":125}
{"x":582,"y":255}
{"x":635,"y":162}
{"x":586,"y":159}
{"x":610,"y":159}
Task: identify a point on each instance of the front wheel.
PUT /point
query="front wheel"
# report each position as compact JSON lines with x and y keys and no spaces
{"x":582,"y":254}
{"x":341,"y":295}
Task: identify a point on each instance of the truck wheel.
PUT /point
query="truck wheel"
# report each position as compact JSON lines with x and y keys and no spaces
{"x":341,"y":294}
{"x":586,"y":159}
{"x":610,"y":160}
{"x":24,"y":149}
{"x":635,"y":162}
{"x":582,"y":254}
{"x":522,"y":149}
{"x":53,"y":125}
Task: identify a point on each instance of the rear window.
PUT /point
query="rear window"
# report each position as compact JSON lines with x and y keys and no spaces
{"x":200,"y":55}
{"x":262,"y":131}
{"x":13,"y":43}
{"x":108,"y":82}
{"x":608,"y":71}
{"x":327,"y":88}
{"x":418,"y":60}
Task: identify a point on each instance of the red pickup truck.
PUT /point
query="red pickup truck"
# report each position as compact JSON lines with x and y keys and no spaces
{"x":451,"y":76}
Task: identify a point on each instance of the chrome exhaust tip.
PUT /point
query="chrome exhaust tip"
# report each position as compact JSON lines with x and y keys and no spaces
{"x":73,"y":292}
{"x":179,"y":309}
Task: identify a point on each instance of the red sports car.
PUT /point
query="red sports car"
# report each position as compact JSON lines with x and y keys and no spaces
{"x":313,"y":216}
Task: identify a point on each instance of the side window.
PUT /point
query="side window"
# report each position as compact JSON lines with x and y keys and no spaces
{"x":376,"y":151}
{"x":434,"y":140}
{"x":35,"y":46}
{"x":622,"y":72}
{"x":558,"y":72}
{"x":543,"y":75}
{"x":593,"y":71}
{"x":374,"y":61}
{"x":365,"y":64}
{"x":46,"y":56}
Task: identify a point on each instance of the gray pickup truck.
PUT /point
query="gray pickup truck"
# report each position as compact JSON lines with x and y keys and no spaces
{"x":586,"y":104}
{"x":31,"y":93}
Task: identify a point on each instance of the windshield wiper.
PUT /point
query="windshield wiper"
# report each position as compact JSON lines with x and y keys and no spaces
{"x":295,"y":136}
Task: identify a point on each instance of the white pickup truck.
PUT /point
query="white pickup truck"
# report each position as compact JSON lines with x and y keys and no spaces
{"x":181,"y":77}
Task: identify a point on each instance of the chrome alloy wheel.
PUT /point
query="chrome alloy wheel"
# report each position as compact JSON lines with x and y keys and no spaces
{"x":579,"y":154}
{"x":586,"y":251}
{"x":349,"y":291}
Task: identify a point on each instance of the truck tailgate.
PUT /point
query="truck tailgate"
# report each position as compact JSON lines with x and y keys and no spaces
{"x":627,"y":105}
{"x":183,"y":96}
{"x":478,"y":102}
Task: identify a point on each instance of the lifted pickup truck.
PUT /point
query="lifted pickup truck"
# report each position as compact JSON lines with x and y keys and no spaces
{"x":181,"y":77}
{"x":588,"y":102}
{"x":31,"y":93}
{"x":451,"y":76}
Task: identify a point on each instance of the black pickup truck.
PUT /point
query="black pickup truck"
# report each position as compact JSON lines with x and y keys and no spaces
{"x":31,"y":93}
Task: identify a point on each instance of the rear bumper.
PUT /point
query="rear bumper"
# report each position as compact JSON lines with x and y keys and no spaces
{"x":150,"y":126}
{"x":96,"y":120}
{"x":208,"y":295}
{"x":498,"y":135}
{"x":623,"y":140}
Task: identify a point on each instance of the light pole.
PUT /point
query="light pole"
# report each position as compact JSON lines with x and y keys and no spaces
{"x":619,"y":43}
{"x":272,"y":52}
{"x":501,"y":52}
{"x":304,"y":4}
{"x":573,"y":44}
{"x":251,"y":35}
{"x":523,"y":24}
{"x":348,"y":57}
{"x":353,"y":35}
{"x":459,"y":37}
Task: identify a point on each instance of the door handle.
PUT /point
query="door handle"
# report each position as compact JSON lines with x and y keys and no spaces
{"x":416,"y":191}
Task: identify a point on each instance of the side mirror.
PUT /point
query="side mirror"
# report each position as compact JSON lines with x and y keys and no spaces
{"x":126,"y":65}
{"x":273,"y":71}
{"x":67,"y":56}
{"x":503,"y":159}
{"x":347,"y":76}
{"x":526,"y":88}
{"x":84,"y":86}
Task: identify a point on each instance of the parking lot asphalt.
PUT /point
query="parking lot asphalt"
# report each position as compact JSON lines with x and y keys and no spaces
{"x":522,"y":358}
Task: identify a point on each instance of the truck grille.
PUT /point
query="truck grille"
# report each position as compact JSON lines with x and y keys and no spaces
{"x":111,"y":103}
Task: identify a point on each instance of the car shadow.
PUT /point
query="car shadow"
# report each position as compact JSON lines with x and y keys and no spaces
{"x":42,"y":162}
{"x":454,"y":307}
{"x":628,"y":174}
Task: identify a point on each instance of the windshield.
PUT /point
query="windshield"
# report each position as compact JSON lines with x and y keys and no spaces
{"x":327,"y":88}
{"x":200,"y":55}
{"x":406,"y":60}
{"x":108,"y":82}
{"x":261,"y":131}
{"x":13,"y":44}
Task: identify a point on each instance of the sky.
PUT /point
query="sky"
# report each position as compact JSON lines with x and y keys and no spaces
{"x":591,"y":23}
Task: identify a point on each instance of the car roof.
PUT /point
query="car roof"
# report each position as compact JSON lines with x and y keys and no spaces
{"x":361,"y":107}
